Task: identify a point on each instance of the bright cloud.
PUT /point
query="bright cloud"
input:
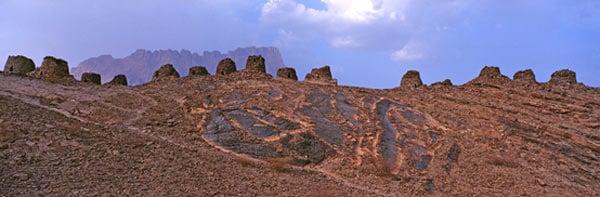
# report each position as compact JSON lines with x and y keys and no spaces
{"x":410,"y":51}
{"x":374,"y":25}
{"x":359,"y":11}
{"x":347,"y":11}
{"x":346,"y":24}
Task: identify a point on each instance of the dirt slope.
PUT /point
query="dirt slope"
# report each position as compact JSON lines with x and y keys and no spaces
{"x":248,"y":134}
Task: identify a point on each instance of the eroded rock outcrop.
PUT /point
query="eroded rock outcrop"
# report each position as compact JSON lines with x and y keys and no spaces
{"x":321,"y":75}
{"x":411,"y":80}
{"x":445,"y":83}
{"x":90,"y":77}
{"x":255,"y":63}
{"x":287,"y":73}
{"x":198,"y":71}
{"x":119,"y":80}
{"x":563,"y":77}
{"x":53,"y":70}
{"x":226,"y":66}
{"x":490,"y":75}
{"x":165,"y":71}
{"x":525,"y":76}
{"x":19,"y":65}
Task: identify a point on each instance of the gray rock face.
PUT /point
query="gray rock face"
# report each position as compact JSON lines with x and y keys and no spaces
{"x":198,"y":71}
{"x":563,"y":77}
{"x":118,"y":80}
{"x":256,"y":63}
{"x":525,"y":76}
{"x":321,"y":75}
{"x":54,"y":70}
{"x":287,"y":73}
{"x":319,"y":106}
{"x":411,"y":80}
{"x":166,"y":71}
{"x":93,"y":78}
{"x":225,"y":67}
{"x":19,"y":65}
{"x":452,"y":157}
{"x":309,"y":146}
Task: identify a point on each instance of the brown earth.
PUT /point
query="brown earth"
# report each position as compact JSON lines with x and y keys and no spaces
{"x":247,"y":134}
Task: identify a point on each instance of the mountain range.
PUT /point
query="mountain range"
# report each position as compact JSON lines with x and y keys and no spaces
{"x":139,"y":66}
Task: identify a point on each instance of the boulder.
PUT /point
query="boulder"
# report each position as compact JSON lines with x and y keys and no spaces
{"x":287,"y":73}
{"x":524,"y":76}
{"x":198,"y":71}
{"x":490,"y":72}
{"x":445,"y":83}
{"x":563,"y":77}
{"x":411,"y":80}
{"x":165,"y":71}
{"x":89,"y":77}
{"x":118,"y":80}
{"x":54,"y":70}
{"x":255,"y":63}
{"x":226,"y":66}
{"x":490,"y":75}
{"x":321,"y":75}
{"x":19,"y":65}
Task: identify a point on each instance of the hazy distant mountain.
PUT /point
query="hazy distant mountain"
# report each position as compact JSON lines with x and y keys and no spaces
{"x":139,"y":66}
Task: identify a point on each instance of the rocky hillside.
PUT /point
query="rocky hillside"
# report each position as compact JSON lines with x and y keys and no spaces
{"x":138,"y":66}
{"x":246,"y":133}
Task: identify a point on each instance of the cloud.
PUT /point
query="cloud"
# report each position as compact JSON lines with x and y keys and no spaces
{"x":346,"y":24}
{"x":349,"y":12}
{"x":345,"y":41}
{"x":369,"y":25}
{"x":358,"y":11}
{"x":410,"y":51}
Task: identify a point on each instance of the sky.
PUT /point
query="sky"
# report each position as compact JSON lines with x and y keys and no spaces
{"x":367,"y":43}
